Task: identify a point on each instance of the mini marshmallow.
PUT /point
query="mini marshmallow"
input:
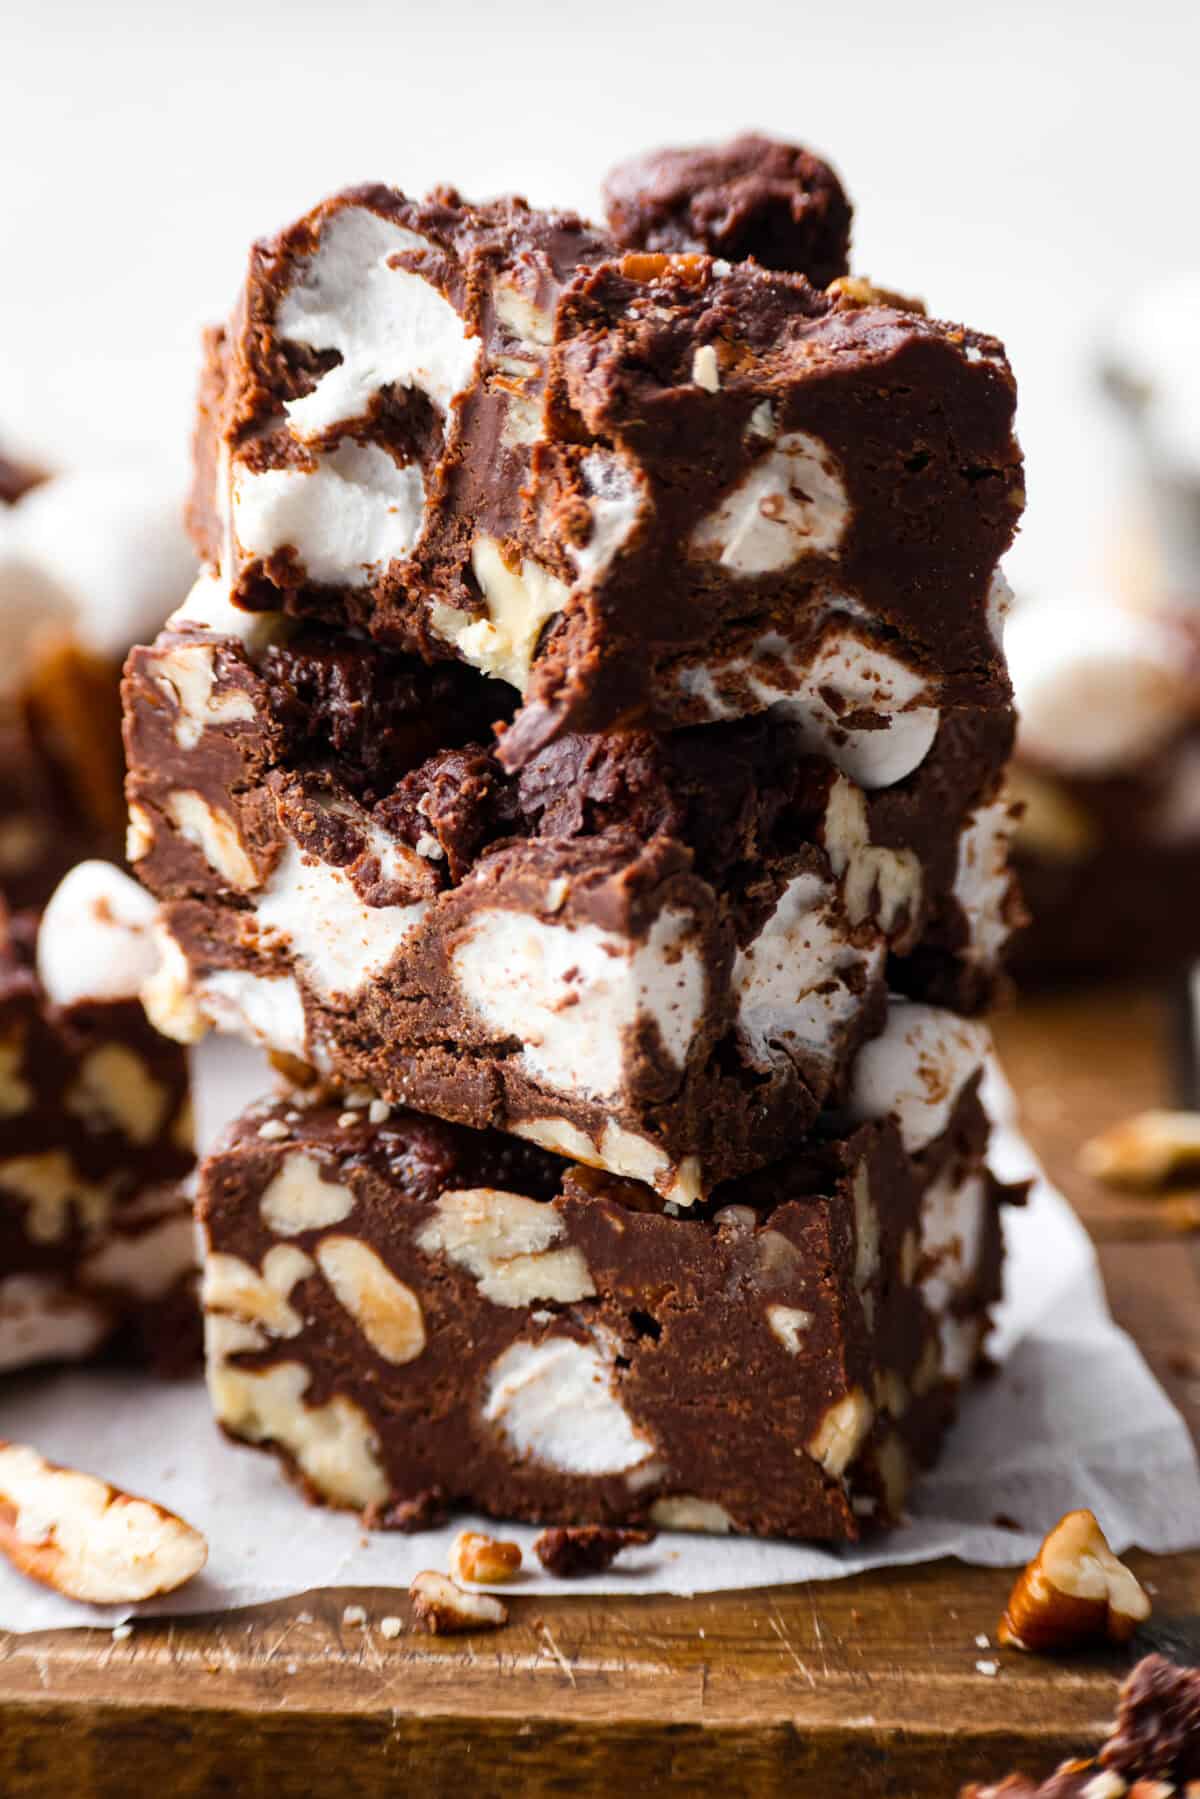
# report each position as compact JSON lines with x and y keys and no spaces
{"x":846,"y":664}
{"x":616,"y":487}
{"x":915,"y":1070}
{"x":391,"y":326}
{"x":799,"y":982}
{"x":983,"y":879}
{"x":572,"y":994}
{"x":95,"y":940}
{"x":313,"y":908}
{"x":555,"y":1402}
{"x":31,"y":603}
{"x":208,"y":607}
{"x":104,"y":550}
{"x":791,"y":503}
{"x":347,"y":518}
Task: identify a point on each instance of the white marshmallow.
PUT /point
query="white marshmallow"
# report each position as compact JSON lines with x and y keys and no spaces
{"x":32,"y":605}
{"x":95,"y":940}
{"x":788,"y":979}
{"x":357,"y":511}
{"x":616,"y":499}
{"x":983,"y":878}
{"x":555,"y":1402}
{"x":862,"y":675}
{"x":790,"y":503}
{"x":341,"y":942}
{"x":266,"y":1008}
{"x":1097,"y":689}
{"x":392,"y":327}
{"x":103,"y":550}
{"x":915,"y":1070}
{"x":952,"y":1220}
{"x":1000,"y":599}
{"x":570,"y":994}
{"x":209,"y":608}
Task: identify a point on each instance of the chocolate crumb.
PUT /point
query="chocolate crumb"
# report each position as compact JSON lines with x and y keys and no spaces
{"x":1157,"y":1732}
{"x":585,"y":1548}
{"x":751,"y":197}
{"x":425,"y":1512}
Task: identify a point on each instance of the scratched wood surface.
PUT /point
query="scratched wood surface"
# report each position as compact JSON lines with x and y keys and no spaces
{"x":860,"y":1687}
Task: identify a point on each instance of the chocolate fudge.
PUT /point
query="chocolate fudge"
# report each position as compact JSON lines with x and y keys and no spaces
{"x":89,"y":562}
{"x":412,"y":1315}
{"x":656,"y":952}
{"x":639,"y":489}
{"x":1151,"y":1752}
{"x":96,"y":1237}
{"x":1107,"y":778}
{"x":751,"y":197}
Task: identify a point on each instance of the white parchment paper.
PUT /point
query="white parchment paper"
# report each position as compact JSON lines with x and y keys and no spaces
{"x":1073,"y":1418}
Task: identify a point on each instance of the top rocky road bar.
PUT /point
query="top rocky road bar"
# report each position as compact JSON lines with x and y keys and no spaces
{"x":641,"y":488}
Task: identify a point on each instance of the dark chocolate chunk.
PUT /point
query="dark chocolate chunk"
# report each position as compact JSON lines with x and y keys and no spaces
{"x":754,"y":197}
{"x":572,"y":1549}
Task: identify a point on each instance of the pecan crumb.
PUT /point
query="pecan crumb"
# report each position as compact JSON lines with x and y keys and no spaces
{"x":475,"y":1556}
{"x":445,"y":1609}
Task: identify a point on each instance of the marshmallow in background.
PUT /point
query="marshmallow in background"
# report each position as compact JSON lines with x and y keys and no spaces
{"x":95,"y":939}
{"x":1098,"y":689}
{"x":101,"y":552}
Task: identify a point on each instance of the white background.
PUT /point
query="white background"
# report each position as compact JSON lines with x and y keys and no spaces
{"x":1022,"y":165}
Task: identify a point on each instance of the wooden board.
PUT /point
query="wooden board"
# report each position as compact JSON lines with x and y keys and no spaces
{"x":863,"y":1687}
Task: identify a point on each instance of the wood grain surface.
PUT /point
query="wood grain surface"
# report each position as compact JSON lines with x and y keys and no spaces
{"x":860,"y":1687}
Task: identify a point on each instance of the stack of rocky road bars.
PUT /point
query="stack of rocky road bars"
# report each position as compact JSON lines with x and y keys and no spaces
{"x":581,"y":766}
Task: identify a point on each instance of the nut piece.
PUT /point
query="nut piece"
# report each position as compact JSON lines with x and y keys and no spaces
{"x":1016,"y":1786}
{"x":586,"y":1548}
{"x":478,"y":1557}
{"x":1157,"y":1729}
{"x":1075,"y":1590}
{"x":854,"y":290}
{"x":1152,"y":1751}
{"x":444,"y":1609}
{"x":86,"y":1539}
{"x":1144,"y":1151}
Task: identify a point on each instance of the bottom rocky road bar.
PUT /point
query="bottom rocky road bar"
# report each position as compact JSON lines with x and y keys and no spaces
{"x":96,"y":1236}
{"x":415,"y":1315}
